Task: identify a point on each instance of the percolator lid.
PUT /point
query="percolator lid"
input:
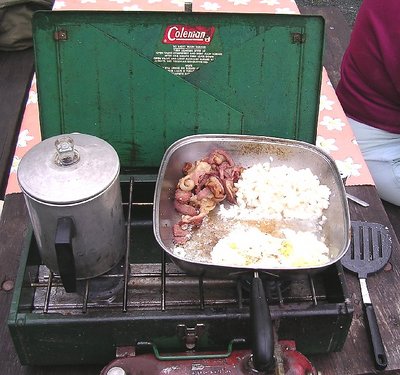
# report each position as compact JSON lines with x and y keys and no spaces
{"x":68,"y":168}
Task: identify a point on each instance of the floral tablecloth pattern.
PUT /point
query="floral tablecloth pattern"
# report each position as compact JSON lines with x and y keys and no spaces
{"x":335,"y":136}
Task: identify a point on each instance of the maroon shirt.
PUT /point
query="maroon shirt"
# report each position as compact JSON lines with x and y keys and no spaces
{"x":369,"y":88}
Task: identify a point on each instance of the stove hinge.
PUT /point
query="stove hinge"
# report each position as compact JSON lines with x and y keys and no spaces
{"x":188,"y":7}
{"x":60,"y":35}
{"x":190,"y":335}
{"x":298,"y":38}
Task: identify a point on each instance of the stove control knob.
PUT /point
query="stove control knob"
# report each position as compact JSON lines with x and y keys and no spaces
{"x":116,"y":371}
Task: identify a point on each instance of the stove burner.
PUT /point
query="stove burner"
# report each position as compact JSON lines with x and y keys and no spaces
{"x":103,"y":288}
{"x":274,"y":290}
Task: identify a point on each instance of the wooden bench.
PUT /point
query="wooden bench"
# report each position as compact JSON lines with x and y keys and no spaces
{"x":393,"y":213}
{"x":16,"y":71}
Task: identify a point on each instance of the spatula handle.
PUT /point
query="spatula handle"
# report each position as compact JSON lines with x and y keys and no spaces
{"x":372,"y":326}
{"x":376,"y":339}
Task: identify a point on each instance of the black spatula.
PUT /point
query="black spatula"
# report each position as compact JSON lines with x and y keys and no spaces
{"x":369,"y":252}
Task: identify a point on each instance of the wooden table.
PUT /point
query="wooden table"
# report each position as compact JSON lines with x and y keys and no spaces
{"x":355,"y":358}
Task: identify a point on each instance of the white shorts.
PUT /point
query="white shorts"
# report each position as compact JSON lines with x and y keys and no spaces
{"x":381,"y":151}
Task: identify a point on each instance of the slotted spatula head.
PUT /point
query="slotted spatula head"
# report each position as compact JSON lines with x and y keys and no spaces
{"x":370,"y":248}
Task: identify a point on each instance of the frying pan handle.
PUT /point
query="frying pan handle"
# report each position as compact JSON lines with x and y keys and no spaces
{"x":65,"y":254}
{"x":261,"y":328}
{"x":377,"y":345}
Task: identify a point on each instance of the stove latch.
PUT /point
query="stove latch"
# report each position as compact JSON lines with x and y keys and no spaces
{"x":190,"y":335}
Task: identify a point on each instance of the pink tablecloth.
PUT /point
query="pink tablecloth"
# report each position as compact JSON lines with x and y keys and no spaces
{"x":334,"y":133}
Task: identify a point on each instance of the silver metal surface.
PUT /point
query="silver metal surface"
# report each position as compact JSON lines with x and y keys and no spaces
{"x":99,"y":239}
{"x":357,"y":200}
{"x":128,"y":248}
{"x":43,"y":178}
{"x":87,"y":190}
{"x":364,"y":291}
{"x":247,"y":151}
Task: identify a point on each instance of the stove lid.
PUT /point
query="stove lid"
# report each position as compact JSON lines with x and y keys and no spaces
{"x":68,"y":169}
{"x":142,"y":80}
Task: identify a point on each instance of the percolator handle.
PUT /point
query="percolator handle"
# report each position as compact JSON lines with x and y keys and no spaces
{"x":65,"y":254}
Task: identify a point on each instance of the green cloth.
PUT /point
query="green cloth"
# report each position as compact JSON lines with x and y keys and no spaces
{"x":16,"y":22}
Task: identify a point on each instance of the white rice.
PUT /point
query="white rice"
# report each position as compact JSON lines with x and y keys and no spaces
{"x":266,"y":192}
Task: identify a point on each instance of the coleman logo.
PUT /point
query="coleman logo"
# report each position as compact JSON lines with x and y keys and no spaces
{"x":183,"y":34}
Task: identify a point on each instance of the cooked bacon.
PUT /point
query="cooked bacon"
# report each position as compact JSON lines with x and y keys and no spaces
{"x":207,"y":205}
{"x":180,"y":240}
{"x":218,"y":157}
{"x":187,"y":168}
{"x":230,"y":172}
{"x":230,"y":191}
{"x":185,"y":209}
{"x":205,"y":193}
{"x":217,"y":188}
{"x":178,"y":231}
{"x":200,"y":169}
{"x":183,"y":196}
{"x":186,"y":183}
{"x":205,"y":183}
{"x":193,"y":220}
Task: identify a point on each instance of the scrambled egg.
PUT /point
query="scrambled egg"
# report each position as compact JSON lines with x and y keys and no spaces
{"x":286,"y":249}
{"x":247,"y":246}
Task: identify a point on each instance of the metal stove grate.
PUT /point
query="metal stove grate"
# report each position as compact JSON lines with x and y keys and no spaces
{"x":152,"y":288}
{"x":162,"y":286}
